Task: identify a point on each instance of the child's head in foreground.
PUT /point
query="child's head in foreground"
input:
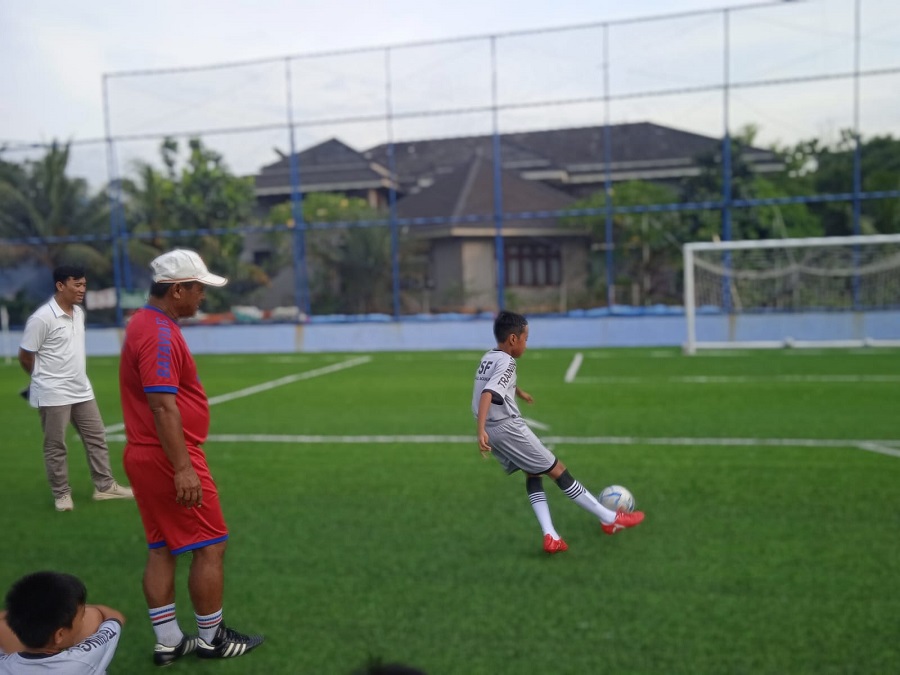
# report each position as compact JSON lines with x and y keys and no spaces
{"x":511,"y":332}
{"x":45,"y":609}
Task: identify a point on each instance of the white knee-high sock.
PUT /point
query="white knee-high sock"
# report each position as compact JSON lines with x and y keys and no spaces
{"x":577,"y":493}
{"x":539,"y":503}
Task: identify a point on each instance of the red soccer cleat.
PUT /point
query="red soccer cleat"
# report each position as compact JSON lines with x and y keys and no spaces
{"x":622,"y":521}
{"x":552,"y":545}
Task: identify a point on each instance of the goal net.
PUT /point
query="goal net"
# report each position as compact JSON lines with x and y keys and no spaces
{"x":774,"y":293}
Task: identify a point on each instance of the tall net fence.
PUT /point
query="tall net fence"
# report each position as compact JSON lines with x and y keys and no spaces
{"x":544,"y":171}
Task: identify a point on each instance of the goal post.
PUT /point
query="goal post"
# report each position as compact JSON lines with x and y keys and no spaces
{"x":807,"y":292}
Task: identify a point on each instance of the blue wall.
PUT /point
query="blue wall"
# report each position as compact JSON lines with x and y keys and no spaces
{"x":476,"y":334}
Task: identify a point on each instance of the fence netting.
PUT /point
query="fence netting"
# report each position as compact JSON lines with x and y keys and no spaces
{"x":545,"y":171}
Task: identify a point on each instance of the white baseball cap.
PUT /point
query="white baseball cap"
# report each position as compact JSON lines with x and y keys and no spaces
{"x":183,"y":265}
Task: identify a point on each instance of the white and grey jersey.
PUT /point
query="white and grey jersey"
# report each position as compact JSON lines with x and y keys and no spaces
{"x":89,"y":657}
{"x":496,"y":373}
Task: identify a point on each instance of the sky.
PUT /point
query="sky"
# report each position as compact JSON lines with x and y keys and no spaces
{"x":55,"y":54}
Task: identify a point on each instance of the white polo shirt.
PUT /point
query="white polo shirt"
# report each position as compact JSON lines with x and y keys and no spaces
{"x":60,"y":370}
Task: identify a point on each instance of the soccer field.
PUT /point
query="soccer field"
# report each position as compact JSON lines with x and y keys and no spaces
{"x":365,"y":524}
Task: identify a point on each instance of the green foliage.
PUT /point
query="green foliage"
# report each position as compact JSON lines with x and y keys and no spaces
{"x":349,"y":267}
{"x":19,"y":307}
{"x":830,"y":170}
{"x":648,"y":244}
{"x":780,"y":220}
{"x":39,"y":200}
{"x":150,"y":212}
{"x":421,"y":552}
{"x":196,"y":193}
{"x":794,"y":220}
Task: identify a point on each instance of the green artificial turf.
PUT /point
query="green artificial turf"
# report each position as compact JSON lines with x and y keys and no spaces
{"x":367,"y":530}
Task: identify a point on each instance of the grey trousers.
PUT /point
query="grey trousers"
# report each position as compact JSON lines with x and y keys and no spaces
{"x":85,"y":417}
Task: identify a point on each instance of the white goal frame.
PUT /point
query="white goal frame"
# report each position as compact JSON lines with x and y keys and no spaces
{"x":690,"y":308}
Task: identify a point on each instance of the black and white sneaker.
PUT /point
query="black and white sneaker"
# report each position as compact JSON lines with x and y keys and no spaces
{"x":163,"y":656}
{"x":227,"y":644}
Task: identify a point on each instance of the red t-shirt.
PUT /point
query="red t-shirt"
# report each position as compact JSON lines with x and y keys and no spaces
{"x":156,"y":358}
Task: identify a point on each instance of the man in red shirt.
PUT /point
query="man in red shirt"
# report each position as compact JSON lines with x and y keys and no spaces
{"x":166,"y":416}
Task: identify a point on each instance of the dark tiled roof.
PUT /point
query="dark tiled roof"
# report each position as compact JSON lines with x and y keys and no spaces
{"x":328,"y":166}
{"x":562,"y":157}
{"x":633,"y":147}
{"x":469,"y":191}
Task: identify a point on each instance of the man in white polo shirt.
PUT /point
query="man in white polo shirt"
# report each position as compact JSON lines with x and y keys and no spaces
{"x":52,"y":352}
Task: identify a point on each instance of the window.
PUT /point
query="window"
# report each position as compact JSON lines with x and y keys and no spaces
{"x":533,"y":264}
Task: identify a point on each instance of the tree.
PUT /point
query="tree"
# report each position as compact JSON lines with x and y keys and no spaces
{"x":149,"y":205}
{"x":829,"y":170}
{"x":647,"y":245}
{"x":199,"y":197}
{"x":349,"y":266}
{"x":39,"y":201}
{"x":759,"y":222}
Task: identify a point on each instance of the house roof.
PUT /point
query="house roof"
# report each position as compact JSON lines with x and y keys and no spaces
{"x":565,"y":158}
{"x":639,"y":150}
{"x":331,"y":166}
{"x":468,"y":190}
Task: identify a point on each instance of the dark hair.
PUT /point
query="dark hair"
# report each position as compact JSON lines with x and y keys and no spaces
{"x":41,"y":603}
{"x":508,"y":323}
{"x":64,"y":272}
{"x":158,"y":289}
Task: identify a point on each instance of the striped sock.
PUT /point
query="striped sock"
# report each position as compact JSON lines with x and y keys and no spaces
{"x":207,"y":625}
{"x":539,"y":503}
{"x":576,"y":492}
{"x":165,"y":625}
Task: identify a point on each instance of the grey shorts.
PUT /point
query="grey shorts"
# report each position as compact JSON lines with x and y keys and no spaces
{"x":515,"y":446}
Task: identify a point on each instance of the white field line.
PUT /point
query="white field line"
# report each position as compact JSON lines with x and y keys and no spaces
{"x":873,"y":445}
{"x":572,"y":372}
{"x":289,"y":379}
{"x":534,"y":424}
{"x":879,"y":448}
{"x":743,"y":379}
{"x":266,"y":386}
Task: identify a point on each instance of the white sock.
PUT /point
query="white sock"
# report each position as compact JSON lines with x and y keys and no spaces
{"x":207,"y":625}
{"x":165,"y":625}
{"x":542,"y":511}
{"x":588,"y":502}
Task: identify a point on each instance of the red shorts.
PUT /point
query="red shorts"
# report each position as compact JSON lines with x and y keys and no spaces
{"x":167,"y":523}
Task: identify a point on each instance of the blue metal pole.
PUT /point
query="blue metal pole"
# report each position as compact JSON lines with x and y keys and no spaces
{"x":301,"y":284}
{"x":498,"y":182}
{"x":392,"y":191}
{"x":113,"y":192}
{"x":857,"y":152}
{"x":726,"y":166}
{"x":607,"y":171}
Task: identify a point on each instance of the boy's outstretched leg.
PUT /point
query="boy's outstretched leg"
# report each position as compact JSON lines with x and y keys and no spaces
{"x":611,"y":521}
{"x":553,"y":543}
{"x":622,"y":521}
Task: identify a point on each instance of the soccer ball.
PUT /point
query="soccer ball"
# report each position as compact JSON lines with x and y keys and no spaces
{"x":617,"y":498}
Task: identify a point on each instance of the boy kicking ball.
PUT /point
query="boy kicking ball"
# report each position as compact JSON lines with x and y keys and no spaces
{"x":503,"y":433}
